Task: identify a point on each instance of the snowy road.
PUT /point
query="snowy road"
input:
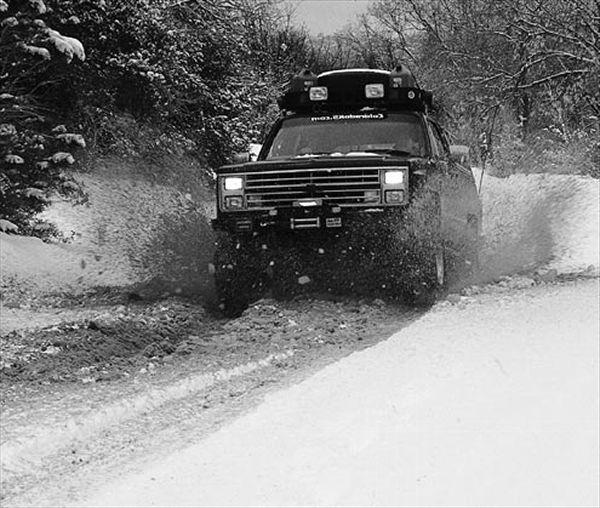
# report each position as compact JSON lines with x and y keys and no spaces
{"x":490,"y":401}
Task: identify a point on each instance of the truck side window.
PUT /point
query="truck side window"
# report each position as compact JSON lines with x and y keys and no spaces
{"x":436,"y":143}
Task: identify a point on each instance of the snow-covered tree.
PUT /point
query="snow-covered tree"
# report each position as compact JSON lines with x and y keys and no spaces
{"x":33,"y":150}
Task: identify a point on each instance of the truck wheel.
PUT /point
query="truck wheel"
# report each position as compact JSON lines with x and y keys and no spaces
{"x":239,"y":279}
{"x":472,"y":262}
{"x":473,"y":249}
{"x":431,"y":280}
{"x":465,"y":264}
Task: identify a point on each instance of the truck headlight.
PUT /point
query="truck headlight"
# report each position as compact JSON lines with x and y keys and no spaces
{"x":393,"y":177}
{"x":233,"y":183}
{"x":234,"y":202}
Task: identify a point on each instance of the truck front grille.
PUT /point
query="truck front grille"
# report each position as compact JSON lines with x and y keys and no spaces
{"x":336,"y":186}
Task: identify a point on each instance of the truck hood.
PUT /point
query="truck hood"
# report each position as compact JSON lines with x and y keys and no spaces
{"x":320,"y":162}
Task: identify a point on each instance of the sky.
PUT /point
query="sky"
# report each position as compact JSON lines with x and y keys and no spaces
{"x":327,"y":16}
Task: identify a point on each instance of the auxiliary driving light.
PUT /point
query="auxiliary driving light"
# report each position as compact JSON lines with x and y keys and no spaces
{"x":374,"y":91}
{"x":233,"y":182}
{"x":318,"y":93}
{"x":234,"y":202}
{"x":394,"y":196}
{"x":394,"y":177}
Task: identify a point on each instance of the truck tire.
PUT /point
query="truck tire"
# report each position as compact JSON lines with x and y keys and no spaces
{"x":427,"y":282}
{"x":464,"y":264}
{"x":239,"y":278}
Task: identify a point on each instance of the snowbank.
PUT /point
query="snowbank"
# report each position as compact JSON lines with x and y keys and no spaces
{"x":130,"y":231}
{"x":43,"y":268}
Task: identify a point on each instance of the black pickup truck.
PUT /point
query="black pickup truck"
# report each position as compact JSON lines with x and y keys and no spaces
{"x":355,"y":188}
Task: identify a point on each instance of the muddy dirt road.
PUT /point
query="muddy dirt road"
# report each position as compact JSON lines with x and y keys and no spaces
{"x":490,"y":397}
{"x":100,"y":389}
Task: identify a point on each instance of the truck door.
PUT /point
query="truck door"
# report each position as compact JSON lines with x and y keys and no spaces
{"x":460,"y":207}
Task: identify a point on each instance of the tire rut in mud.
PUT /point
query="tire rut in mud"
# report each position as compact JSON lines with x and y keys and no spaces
{"x":138,"y":338}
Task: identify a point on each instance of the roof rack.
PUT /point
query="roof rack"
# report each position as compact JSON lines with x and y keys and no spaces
{"x":351,"y":89}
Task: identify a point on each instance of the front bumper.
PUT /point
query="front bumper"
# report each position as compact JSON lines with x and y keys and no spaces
{"x":316,"y":218}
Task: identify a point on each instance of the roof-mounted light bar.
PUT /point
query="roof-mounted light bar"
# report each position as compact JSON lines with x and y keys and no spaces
{"x":355,"y":88}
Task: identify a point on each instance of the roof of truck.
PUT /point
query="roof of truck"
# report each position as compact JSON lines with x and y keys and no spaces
{"x":350,"y":71}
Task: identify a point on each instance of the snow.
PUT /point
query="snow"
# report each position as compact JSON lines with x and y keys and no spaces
{"x":113,"y":234}
{"x":47,"y":267}
{"x":25,"y":453}
{"x":68,"y":46}
{"x":491,"y":401}
{"x":8,"y":227}
{"x":59,"y":157}
{"x":35,"y":50}
{"x":535,"y":221}
{"x":69,"y":138}
{"x":14,"y":159}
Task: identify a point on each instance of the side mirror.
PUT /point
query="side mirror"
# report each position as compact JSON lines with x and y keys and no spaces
{"x":254,"y":149}
{"x":460,"y":155}
{"x":240,"y":158}
{"x":250,"y":156}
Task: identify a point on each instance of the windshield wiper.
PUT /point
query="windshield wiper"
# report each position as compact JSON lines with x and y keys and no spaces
{"x":391,"y":151}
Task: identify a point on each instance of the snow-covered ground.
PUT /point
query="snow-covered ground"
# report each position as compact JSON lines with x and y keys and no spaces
{"x":492,"y":401}
{"x":489,"y":399}
{"x":42,"y":267}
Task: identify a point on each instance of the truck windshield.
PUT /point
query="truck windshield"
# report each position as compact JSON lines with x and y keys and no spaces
{"x":348,"y":134}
